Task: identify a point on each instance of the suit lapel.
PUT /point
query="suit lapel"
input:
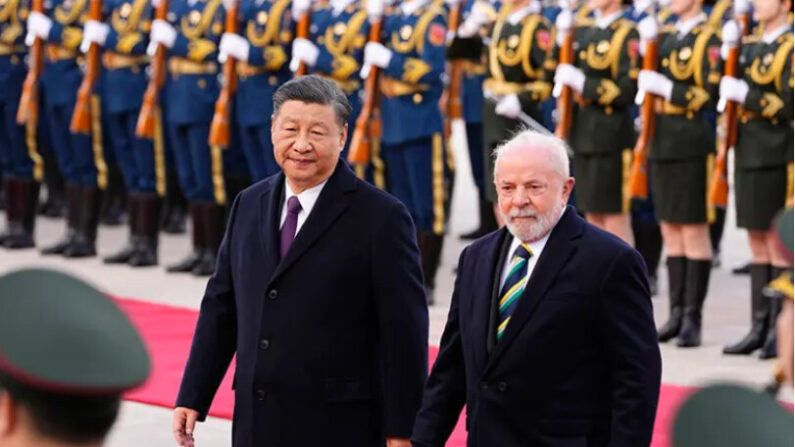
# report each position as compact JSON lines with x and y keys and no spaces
{"x":556,"y":252}
{"x":270,"y":212}
{"x":329,"y":206}
{"x":480,"y":308}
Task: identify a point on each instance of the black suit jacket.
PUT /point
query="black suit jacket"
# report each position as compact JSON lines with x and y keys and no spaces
{"x":579,"y":364}
{"x":332,"y":340}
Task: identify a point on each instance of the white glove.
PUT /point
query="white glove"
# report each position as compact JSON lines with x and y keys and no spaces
{"x":567,"y":74}
{"x":377,"y":54}
{"x":39,"y":25}
{"x":473,"y":23}
{"x":508,"y":107}
{"x":563,"y":24}
{"x":300,"y":7}
{"x":233,"y":45}
{"x":155,"y":3}
{"x":229,"y":4}
{"x":647,"y":28}
{"x":452,"y":3}
{"x":303,"y":51}
{"x":162,"y":33}
{"x":375,"y":9}
{"x":94,"y":32}
{"x":732,"y":89}
{"x":730,"y":34}
{"x":655,"y":83}
{"x":741,"y":7}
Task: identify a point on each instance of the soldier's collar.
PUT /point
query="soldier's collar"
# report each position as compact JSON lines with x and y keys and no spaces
{"x":410,"y":7}
{"x":337,"y":6}
{"x":605,"y":21}
{"x":684,"y":28}
{"x":533,"y":8}
{"x":771,"y":37}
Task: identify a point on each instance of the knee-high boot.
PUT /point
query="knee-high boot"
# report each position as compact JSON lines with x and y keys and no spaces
{"x":696,"y":286}
{"x":677,"y":267}
{"x":760,"y":310}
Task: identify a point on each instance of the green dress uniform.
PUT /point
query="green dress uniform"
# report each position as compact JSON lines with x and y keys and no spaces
{"x":603,"y":133}
{"x":683,"y":146}
{"x":519,"y":63}
{"x":763,"y":153}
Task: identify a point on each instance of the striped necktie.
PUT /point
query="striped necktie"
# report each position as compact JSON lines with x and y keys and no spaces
{"x":513,"y":287}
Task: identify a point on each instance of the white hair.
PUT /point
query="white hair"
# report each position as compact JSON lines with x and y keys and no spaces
{"x":530,"y":140}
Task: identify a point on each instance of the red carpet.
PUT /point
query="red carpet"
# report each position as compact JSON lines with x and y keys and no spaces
{"x":168,"y":332}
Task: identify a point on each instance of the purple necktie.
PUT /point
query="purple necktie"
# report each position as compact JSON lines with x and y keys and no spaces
{"x":290,"y":224}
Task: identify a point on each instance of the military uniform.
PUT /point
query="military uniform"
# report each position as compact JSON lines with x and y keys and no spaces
{"x":142,"y":161}
{"x":21,"y":164}
{"x":520,"y":63}
{"x":603,"y":134}
{"x":191,"y":91}
{"x":267,"y":25}
{"x":80,"y":156}
{"x":412,"y":141}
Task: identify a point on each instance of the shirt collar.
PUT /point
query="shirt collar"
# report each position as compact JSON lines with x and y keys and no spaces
{"x":773,"y":35}
{"x":605,"y":21}
{"x":533,"y":8}
{"x":410,"y":7}
{"x":307,"y":198}
{"x":538,"y":246}
{"x":337,"y":6}
{"x":684,"y":28}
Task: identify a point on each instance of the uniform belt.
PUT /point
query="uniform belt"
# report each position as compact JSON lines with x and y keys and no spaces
{"x":671,"y":109}
{"x":348,"y":86}
{"x":502,"y":88}
{"x":472,"y":68}
{"x":115,"y":61}
{"x":178,"y":65}
{"x":58,"y":53}
{"x":392,"y":87}
{"x":7,"y":50}
{"x":244,"y":69}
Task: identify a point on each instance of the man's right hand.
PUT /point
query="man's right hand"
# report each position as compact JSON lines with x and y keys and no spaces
{"x":183,"y":424}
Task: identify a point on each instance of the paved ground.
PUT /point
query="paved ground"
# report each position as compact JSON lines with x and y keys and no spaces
{"x":726,"y":314}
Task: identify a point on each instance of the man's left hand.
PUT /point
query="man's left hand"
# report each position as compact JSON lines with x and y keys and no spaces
{"x":398,"y":442}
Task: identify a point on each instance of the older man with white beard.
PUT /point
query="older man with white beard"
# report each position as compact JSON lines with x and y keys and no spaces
{"x":550,"y":338}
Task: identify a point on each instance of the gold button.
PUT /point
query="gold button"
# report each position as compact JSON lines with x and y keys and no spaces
{"x":665,"y":62}
{"x":417,"y":98}
{"x":583,"y":54}
{"x":202,"y":83}
{"x":14,"y":59}
{"x":763,"y":102}
{"x":272,"y":80}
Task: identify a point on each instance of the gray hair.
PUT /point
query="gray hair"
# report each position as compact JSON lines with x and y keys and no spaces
{"x":314,"y":89}
{"x":530,"y":140}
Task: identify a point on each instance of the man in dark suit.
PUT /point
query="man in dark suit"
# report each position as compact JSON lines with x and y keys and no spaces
{"x":318,"y":291}
{"x":550,"y":339}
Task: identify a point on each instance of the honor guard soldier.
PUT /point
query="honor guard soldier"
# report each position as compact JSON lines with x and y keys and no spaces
{"x":519,"y":77}
{"x":192,"y":33}
{"x":263,"y":52}
{"x":763,"y":155}
{"x":335,"y":50}
{"x":603,"y":133}
{"x":124,"y":40}
{"x":469,"y":49}
{"x":21,"y":164}
{"x":68,"y":353}
{"x":681,"y":159}
{"x":80,"y":156}
{"x":413,"y":62}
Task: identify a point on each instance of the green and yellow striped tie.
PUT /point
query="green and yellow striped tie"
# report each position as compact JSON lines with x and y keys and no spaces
{"x":513,"y":287}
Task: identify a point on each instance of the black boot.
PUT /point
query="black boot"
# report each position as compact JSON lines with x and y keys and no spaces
{"x":760,"y":309}
{"x":55,"y":204}
{"x":84,"y":243}
{"x":174,"y":212}
{"x":189,"y":262}
{"x":430,"y":245}
{"x":213,"y":216}
{"x":677,"y":266}
{"x":123,"y":255}
{"x":716,"y":234}
{"x":696,"y":286}
{"x":770,"y":346}
{"x":648,"y":241}
{"x":114,"y":198}
{"x":147,"y":228}
{"x":72,"y":220}
{"x":26,"y":194}
{"x":487,"y":221}
{"x":8,"y":198}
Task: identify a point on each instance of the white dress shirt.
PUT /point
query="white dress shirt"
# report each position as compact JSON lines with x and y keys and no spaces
{"x":771,"y":36}
{"x":684,"y":28}
{"x":535,"y":247}
{"x":605,"y":21}
{"x":307,"y":200}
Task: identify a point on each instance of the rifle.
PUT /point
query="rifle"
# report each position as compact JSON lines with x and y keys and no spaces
{"x":638,"y":176}
{"x":566,"y":96}
{"x":145,"y":127}
{"x":28,"y":111}
{"x":81,"y":117}
{"x":719,"y":187}
{"x":454,"y":106}
{"x":367,"y":124}
{"x":302,"y":32}
{"x":219,"y":128}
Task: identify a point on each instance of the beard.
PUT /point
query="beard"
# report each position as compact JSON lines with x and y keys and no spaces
{"x":533,"y":229}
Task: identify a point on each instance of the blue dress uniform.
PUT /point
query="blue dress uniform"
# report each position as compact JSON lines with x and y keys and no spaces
{"x":412,"y":145}
{"x":22,"y":166}
{"x":141,"y":160}
{"x":191,"y":91}
{"x":80,"y":156}
{"x":267,"y":25}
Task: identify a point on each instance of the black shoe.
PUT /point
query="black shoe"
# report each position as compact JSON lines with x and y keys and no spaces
{"x":72,"y":220}
{"x":743,"y":269}
{"x":123,"y":256}
{"x":760,"y":308}
{"x":189,"y":262}
{"x":696,"y":285}
{"x":677,"y":266}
